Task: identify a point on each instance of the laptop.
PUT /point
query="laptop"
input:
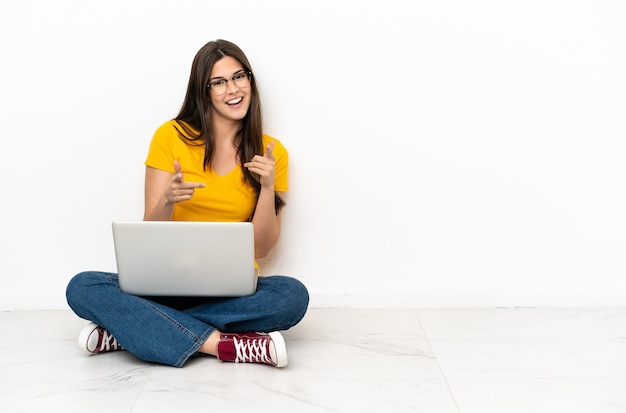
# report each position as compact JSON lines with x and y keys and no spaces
{"x":176,"y":258}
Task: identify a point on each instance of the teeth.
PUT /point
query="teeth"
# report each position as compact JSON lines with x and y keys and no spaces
{"x":234,"y":101}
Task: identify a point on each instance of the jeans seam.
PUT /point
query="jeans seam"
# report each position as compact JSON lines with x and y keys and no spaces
{"x":198,"y":340}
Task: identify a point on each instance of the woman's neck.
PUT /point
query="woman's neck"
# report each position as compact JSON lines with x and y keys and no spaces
{"x":224,"y":132}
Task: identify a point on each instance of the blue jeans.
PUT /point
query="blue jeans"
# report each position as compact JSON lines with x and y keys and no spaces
{"x":169,"y":330}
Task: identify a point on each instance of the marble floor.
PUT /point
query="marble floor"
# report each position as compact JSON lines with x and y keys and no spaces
{"x":340,"y":360}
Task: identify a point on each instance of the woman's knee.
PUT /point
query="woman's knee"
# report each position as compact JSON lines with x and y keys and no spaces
{"x":302,"y":293}
{"x":81,"y":284}
{"x":294,"y":296}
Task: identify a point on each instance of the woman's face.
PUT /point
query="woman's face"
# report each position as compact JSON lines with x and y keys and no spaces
{"x":230,"y":90}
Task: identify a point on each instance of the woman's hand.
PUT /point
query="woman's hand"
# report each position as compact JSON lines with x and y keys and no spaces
{"x":178,"y":190}
{"x":264,"y":166}
{"x":163,"y":190}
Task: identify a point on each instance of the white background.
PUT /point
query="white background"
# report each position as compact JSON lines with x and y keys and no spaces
{"x":442,"y":153}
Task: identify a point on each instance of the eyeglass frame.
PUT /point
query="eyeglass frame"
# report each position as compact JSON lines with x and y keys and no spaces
{"x":232,"y":79}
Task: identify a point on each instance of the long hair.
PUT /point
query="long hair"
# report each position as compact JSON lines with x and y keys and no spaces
{"x":195,"y":116}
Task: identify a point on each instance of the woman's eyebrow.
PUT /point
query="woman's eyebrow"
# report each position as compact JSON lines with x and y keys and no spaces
{"x":222,"y":77}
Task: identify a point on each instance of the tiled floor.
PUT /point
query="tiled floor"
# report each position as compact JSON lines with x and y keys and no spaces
{"x":340,"y":360}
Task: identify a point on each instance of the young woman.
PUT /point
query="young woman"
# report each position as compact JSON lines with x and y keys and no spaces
{"x":210,"y":163}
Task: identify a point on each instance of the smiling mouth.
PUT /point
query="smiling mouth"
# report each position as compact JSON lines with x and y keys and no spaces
{"x":234,"y":101}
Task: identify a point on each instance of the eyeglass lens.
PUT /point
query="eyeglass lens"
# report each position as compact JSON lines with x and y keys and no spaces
{"x":220,"y":86}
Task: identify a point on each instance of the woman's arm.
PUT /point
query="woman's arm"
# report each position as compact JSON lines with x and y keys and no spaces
{"x":266,"y":221}
{"x":267,"y":224}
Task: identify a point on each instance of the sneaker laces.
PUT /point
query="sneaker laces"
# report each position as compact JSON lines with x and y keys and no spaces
{"x":108,"y":342}
{"x":252,"y":350}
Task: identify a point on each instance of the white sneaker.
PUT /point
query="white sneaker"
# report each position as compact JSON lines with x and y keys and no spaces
{"x":94,"y":339}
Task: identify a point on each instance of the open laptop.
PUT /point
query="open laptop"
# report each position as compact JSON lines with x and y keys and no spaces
{"x":175,"y":258}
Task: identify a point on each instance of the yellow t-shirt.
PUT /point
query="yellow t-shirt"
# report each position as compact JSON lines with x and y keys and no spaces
{"x":224,"y":198}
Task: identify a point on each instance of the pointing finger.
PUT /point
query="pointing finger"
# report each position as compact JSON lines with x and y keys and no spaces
{"x":269,"y":150}
{"x":190,"y":185}
{"x":178,"y":173}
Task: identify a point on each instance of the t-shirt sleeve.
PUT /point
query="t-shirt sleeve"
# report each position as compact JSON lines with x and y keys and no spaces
{"x":161,"y":153}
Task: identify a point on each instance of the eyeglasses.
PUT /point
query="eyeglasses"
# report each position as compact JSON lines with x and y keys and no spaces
{"x":220,"y":86}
